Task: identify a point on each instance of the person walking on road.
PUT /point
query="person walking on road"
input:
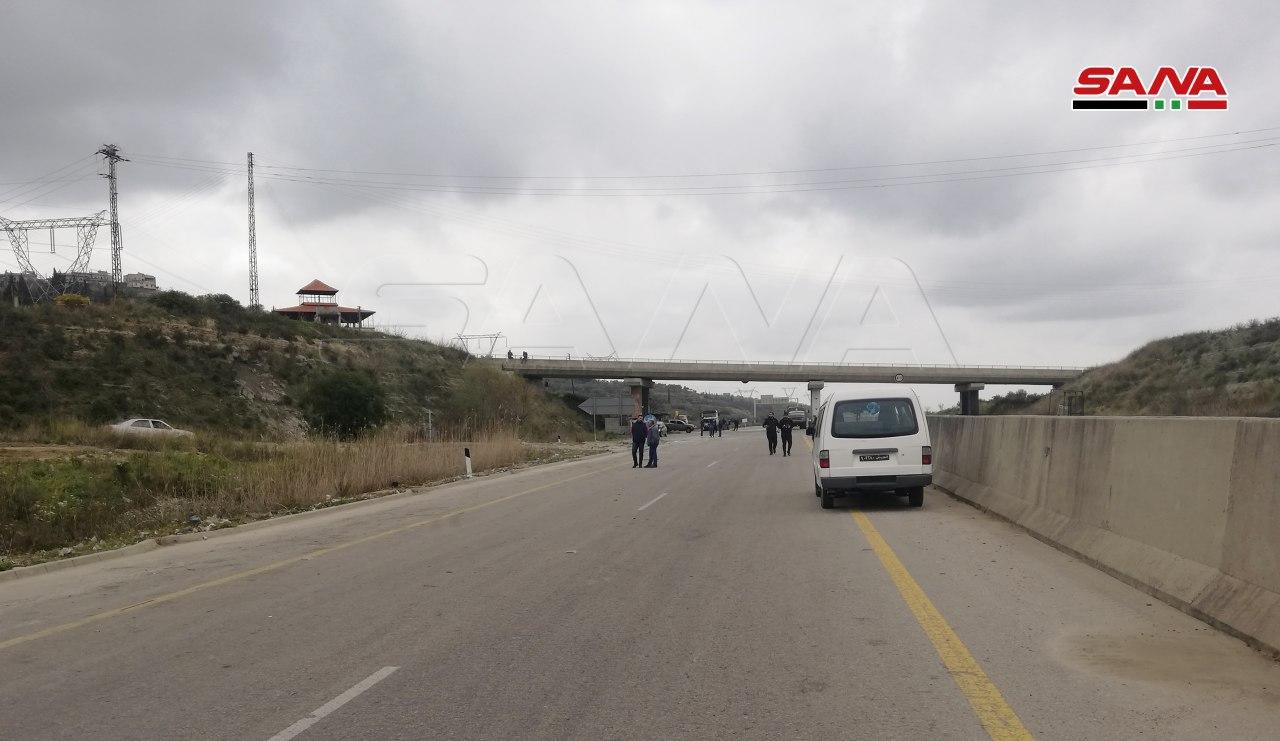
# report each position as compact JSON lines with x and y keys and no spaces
{"x":784,"y":429}
{"x":639,"y":433}
{"x":655,"y":437}
{"x":771,"y":432}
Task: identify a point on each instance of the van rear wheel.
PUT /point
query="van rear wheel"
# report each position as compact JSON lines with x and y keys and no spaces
{"x":828,"y":500}
{"x":817,"y":490}
{"x":915,"y":496}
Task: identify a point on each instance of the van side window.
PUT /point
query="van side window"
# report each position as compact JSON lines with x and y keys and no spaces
{"x":874,"y":418}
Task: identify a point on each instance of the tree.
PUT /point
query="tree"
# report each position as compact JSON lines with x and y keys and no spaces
{"x":343,"y":403}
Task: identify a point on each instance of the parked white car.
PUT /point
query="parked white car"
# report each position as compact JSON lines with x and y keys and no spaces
{"x":871,"y":440}
{"x":141,"y":426}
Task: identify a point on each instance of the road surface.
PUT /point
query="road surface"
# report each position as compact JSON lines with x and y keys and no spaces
{"x":711,"y":597}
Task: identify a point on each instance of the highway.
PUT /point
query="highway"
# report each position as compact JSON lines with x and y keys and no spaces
{"x":710,"y":597}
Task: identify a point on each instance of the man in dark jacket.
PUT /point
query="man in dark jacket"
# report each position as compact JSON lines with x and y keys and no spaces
{"x":639,"y":433}
{"x":771,"y":432}
{"x":784,"y":428}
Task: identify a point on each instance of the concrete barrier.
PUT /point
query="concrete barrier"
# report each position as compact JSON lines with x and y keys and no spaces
{"x":1186,"y":509}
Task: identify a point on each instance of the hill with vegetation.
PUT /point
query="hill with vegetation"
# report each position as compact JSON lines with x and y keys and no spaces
{"x":666,"y":398}
{"x":1227,"y":373}
{"x":288,"y":416}
{"x":210,"y":364}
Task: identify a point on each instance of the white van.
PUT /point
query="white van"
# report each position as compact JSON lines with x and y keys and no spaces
{"x":871,"y":440}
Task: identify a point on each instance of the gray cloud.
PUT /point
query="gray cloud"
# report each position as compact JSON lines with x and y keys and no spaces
{"x":588,"y":89}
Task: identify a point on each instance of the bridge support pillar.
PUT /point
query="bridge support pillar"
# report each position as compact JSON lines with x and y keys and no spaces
{"x":815,"y":398}
{"x":969,"y":404}
{"x":639,"y":393}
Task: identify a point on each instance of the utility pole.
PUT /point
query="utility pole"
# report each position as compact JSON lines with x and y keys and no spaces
{"x":112,"y":154}
{"x":254,"y":303}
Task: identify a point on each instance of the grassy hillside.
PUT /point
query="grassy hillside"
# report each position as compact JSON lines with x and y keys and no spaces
{"x":208,"y":363}
{"x":1231,"y":372}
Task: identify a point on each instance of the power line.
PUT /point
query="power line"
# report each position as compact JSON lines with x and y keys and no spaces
{"x":10,"y":194}
{"x":790,"y":187}
{"x":170,"y":206}
{"x":51,"y":186}
{"x":748,"y":173}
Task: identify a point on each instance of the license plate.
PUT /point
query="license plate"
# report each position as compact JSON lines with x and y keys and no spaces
{"x":874,"y":457}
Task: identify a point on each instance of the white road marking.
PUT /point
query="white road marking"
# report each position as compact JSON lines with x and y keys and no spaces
{"x":334,"y":704}
{"x":655,"y":499}
{"x":712,"y":463}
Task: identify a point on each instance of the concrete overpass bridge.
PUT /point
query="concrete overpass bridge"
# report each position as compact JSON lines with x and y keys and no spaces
{"x":641,"y":373}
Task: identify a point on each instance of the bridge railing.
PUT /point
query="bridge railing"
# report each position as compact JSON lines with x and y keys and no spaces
{"x":765,"y":363}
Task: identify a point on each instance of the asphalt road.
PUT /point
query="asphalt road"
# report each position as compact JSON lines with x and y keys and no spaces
{"x":709,"y":597}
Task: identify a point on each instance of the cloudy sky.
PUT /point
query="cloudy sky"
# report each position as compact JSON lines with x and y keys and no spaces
{"x":895,"y":181}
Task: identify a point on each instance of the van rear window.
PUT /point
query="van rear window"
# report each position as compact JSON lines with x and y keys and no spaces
{"x":874,"y":418}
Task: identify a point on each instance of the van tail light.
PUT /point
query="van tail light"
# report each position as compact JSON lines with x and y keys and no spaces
{"x":824,"y":459}
{"x":926,"y":455}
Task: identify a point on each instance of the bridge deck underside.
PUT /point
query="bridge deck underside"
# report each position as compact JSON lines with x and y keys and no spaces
{"x":798,"y":372}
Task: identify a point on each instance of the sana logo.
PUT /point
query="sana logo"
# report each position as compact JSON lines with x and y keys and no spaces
{"x":1122,"y":88}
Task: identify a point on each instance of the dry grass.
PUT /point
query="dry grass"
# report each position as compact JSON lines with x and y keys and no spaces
{"x":306,"y":474}
{"x":114,"y":489}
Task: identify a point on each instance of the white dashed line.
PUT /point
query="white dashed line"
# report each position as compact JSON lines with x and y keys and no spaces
{"x":334,"y":704}
{"x":655,"y":499}
{"x":712,"y":463}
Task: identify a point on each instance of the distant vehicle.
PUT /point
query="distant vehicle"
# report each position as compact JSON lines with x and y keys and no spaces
{"x":871,"y":440}
{"x":677,"y":424}
{"x":141,"y":426}
{"x":799,"y":415}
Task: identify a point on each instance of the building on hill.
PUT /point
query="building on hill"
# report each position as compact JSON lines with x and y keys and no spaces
{"x":141,"y":284}
{"x":30,"y":288}
{"x":318,"y":302}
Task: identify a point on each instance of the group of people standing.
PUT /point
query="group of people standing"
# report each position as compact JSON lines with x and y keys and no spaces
{"x":644,"y":430}
{"x":716,"y":427}
{"x":773,"y":428}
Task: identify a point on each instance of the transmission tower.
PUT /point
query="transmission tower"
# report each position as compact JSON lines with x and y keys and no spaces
{"x":253,"y":245}
{"x":86,"y":228}
{"x":112,"y":154}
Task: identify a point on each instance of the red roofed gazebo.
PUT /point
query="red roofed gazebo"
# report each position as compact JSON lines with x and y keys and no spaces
{"x":318,"y":302}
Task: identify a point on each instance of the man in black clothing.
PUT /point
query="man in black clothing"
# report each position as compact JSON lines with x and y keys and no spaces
{"x":639,"y":433}
{"x":771,"y":432}
{"x":784,"y":427}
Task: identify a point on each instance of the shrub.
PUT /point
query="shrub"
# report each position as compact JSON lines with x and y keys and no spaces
{"x":72,"y":300}
{"x":177,"y":303}
{"x":343,"y":403}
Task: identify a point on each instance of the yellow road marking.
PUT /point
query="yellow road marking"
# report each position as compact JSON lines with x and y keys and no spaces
{"x":171,"y":596}
{"x":984,"y":697}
